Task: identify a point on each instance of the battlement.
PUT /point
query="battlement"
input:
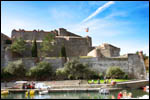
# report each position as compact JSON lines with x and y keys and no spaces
{"x":40,"y":34}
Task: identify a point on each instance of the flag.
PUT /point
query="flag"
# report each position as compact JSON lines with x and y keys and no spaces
{"x":87,"y":29}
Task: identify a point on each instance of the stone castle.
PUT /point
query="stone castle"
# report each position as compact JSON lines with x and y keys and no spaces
{"x":100,"y":57}
{"x":75,"y":45}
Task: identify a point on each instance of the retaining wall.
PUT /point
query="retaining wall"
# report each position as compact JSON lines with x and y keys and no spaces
{"x":132,"y":64}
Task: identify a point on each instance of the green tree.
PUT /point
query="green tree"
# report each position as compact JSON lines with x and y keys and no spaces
{"x":115,"y":72}
{"x":73,"y":69}
{"x":144,"y":55}
{"x":15,"y":69}
{"x":63,"y":52}
{"x":47,"y":44}
{"x":18,"y":46}
{"x":61,"y":74}
{"x":34,"y":49}
{"x":5,"y":76}
{"x":42,"y":71}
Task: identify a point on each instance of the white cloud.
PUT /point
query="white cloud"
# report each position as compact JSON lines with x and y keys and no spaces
{"x":100,"y":9}
{"x":100,"y":28}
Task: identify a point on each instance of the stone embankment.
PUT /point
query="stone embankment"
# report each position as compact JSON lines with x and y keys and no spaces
{"x":73,"y":85}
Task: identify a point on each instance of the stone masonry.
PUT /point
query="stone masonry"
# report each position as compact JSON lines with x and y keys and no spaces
{"x":99,"y":58}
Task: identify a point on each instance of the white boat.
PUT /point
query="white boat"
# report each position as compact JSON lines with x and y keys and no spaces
{"x":147,"y":89}
{"x":103,"y":91}
{"x":42,"y":86}
{"x":21,"y":82}
{"x":43,"y":92}
{"x":144,"y":97}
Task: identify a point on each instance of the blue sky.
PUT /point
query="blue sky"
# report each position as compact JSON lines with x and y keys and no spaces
{"x":124,"y":24}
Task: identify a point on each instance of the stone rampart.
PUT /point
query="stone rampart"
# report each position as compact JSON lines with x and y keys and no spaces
{"x":30,"y":62}
{"x":132,"y":64}
{"x":101,"y":64}
{"x":136,"y":66}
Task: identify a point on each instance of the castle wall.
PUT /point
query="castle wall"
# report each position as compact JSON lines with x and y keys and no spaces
{"x":109,"y":51}
{"x":101,"y":64}
{"x":132,"y":64}
{"x":95,"y":53}
{"x":136,"y":66}
{"x":31,"y":62}
{"x":30,"y":35}
{"x":104,"y":50}
{"x":40,"y":34}
{"x":64,"y":32}
{"x":3,"y":46}
{"x":74,"y":46}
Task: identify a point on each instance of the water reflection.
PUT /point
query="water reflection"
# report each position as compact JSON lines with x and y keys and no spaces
{"x":71,"y":95}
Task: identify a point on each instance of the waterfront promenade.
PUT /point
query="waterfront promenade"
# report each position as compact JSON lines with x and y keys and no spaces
{"x":73,"y":85}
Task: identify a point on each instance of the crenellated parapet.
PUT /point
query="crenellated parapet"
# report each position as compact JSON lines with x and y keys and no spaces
{"x":40,"y":34}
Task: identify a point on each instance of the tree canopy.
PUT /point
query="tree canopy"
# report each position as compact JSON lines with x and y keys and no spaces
{"x":34,"y":49}
{"x":73,"y":69}
{"x":18,"y":46}
{"x":115,"y":72}
{"x":15,"y":69}
{"x":41,"y":71}
{"x":47,"y":44}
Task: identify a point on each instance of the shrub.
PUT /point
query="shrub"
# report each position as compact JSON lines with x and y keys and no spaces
{"x":15,"y":69}
{"x":5,"y":76}
{"x":60,"y":73}
{"x":126,"y":76}
{"x":101,"y":75}
{"x":114,"y":72}
{"x":73,"y":69}
{"x":42,"y":71}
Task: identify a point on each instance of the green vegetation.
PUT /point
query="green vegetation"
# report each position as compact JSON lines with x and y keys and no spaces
{"x":101,"y":76}
{"x":73,"y":69}
{"x":61,"y":74}
{"x":47,"y":44}
{"x":34,"y":49}
{"x":18,"y":46}
{"x":126,"y":76}
{"x":42,"y":71}
{"x":115,"y":72}
{"x":63,"y":52}
{"x":144,"y":55}
{"x":14,"y":69}
{"x":102,"y":81}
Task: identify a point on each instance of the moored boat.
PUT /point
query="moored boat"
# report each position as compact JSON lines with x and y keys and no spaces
{"x":103,"y":91}
{"x":4,"y":92}
{"x":43,"y":92}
